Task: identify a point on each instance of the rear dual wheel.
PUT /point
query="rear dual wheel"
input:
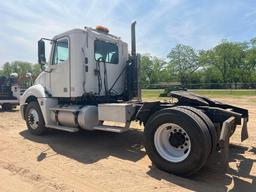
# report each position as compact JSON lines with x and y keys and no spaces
{"x":172,"y":142}
{"x":210,"y":126}
{"x":177,"y":140}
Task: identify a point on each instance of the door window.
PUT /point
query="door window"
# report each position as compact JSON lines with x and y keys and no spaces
{"x":61,"y":52}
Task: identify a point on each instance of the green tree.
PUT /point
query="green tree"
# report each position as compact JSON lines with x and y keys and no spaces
{"x":184,"y":61}
{"x":7,"y":69}
{"x":19,"y":67}
{"x":151,"y":70}
{"x":228,"y":58}
{"x":249,"y":68}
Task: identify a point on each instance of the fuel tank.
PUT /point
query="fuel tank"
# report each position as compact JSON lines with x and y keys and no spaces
{"x":84,"y":117}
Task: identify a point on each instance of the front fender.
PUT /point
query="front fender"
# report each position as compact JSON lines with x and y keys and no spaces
{"x":37,"y":91}
{"x":45,"y":102}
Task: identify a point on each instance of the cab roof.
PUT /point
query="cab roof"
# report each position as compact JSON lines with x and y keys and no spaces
{"x":87,"y":29}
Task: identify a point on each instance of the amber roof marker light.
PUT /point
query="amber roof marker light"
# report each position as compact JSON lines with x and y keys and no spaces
{"x":102,"y":29}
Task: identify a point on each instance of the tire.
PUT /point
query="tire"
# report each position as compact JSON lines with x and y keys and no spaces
{"x":208,"y":122}
{"x":196,"y":136}
{"x":34,"y":119}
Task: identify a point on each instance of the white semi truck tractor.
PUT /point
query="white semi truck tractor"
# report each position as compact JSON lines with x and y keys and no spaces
{"x":91,"y":79}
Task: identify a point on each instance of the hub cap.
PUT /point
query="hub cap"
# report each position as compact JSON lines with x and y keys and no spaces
{"x":172,"y":142}
{"x":33,"y":118}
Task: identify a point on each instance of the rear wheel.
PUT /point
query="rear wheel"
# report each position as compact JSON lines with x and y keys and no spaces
{"x":34,"y":119}
{"x":207,"y":121}
{"x":177,"y":141}
{"x":172,"y":142}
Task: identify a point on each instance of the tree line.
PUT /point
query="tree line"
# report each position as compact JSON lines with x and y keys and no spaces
{"x":227,"y":63}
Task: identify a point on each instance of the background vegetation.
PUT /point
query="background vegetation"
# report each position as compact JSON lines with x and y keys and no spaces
{"x":21,"y":68}
{"x":229,"y":63}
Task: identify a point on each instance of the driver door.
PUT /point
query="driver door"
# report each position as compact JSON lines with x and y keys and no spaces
{"x":60,"y":78}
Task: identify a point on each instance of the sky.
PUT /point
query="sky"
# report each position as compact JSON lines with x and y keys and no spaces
{"x":161,"y":24}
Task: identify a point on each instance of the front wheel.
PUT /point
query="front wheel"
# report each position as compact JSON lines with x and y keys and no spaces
{"x":34,"y":119}
{"x":177,"y":141}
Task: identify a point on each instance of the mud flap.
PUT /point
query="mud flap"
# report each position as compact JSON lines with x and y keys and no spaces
{"x":244,"y":131}
{"x":224,"y":141}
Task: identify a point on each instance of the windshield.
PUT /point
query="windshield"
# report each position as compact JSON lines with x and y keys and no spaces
{"x":106,"y":51}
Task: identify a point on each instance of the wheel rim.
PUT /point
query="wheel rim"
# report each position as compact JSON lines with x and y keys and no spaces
{"x":172,"y":142}
{"x":33,"y":118}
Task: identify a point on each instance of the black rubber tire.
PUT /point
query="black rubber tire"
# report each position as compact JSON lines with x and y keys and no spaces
{"x":41,"y":129}
{"x":195,"y":128}
{"x":208,"y":122}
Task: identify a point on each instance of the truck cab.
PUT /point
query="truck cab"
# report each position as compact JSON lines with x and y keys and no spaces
{"x":79,"y":58}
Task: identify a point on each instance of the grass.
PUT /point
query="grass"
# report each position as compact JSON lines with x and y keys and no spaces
{"x":153,"y":94}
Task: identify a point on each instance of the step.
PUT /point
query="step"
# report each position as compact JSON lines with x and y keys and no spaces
{"x":115,"y":129}
{"x":62,"y":128}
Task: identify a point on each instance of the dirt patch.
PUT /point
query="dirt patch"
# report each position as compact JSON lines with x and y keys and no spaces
{"x":99,"y":161}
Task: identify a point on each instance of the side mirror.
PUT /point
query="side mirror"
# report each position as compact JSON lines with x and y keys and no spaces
{"x":41,"y":53}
